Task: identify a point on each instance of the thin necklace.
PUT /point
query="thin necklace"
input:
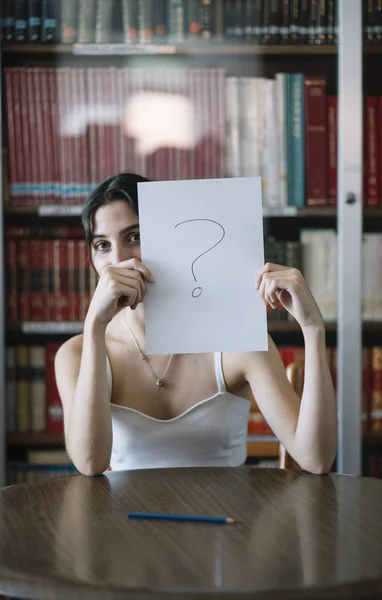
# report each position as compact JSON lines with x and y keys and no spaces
{"x":159,"y":380}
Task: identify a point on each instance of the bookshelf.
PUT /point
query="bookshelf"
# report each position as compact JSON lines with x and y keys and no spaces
{"x":244,"y":59}
{"x":35,"y":439}
{"x":205,"y":49}
{"x":180,"y":49}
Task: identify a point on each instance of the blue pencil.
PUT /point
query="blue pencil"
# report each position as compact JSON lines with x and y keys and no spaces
{"x":135,"y":515}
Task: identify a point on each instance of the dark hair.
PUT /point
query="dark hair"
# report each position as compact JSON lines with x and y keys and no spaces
{"x":117,"y":187}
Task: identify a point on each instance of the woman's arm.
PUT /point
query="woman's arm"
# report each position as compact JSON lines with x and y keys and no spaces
{"x":81,"y":369}
{"x":307,"y":428}
{"x":82,"y":384}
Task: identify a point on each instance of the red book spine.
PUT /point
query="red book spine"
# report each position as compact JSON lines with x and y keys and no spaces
{"x":84,"y":148}
{"x":68,"y":135}
{"x":371,"y":152}
{"x":40,"y":154}
{"x":61,"y":279}
{"x":15,"y":82}
{"x":121,"y":103}
{"x":23,"y":279}
{"x":12,"y":140}
{"x":376,"y":391}
{"x":12,"y":295}
{"x":36,"y":266}
{"x":47,"y":138}
{"x":106,"y":100}
{"x":75,"y":137}
{"x":62,"y":153}
{"x":366,"y":381}
{"x":199,"y":112}
{"x":55,"y":415}
{"x":34,"y":136}
{"x":222,"y":170}
{"x":92,"y":127}
{"x":54,"y":124}
{"x":50,"y":309}
{"x":26,"y":115}
{"x":101,"y":140}
{"x":76,"y":282}
{"x":136,"y":85}
{"x":73,"y":280}
{"x":204,"y":149}
{"x":81,"y":278}
{"x":332,"y":148}
{"x":316,"y":141}
{"x":379,"y":167}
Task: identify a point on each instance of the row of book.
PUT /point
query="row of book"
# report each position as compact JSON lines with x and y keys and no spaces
{"x":70,"y":128}
{"x":33,"y":403}
{"x":32,"y":400}
{"x":51,"y":280}
{"x":176,"y":21}
{"x":48,"y":280}
{"x":285,"y":130}
{"x":320,"y":254}
{"x":293,"y":359}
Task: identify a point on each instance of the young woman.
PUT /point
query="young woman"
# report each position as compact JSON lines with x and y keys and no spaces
{"x":126,"y":410}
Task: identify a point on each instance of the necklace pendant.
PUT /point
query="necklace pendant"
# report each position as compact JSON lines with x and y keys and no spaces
{"x":143,"y":357}
{"x":159,"y":383}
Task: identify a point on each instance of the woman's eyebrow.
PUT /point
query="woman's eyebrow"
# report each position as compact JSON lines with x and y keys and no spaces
{"x":125,"y":230}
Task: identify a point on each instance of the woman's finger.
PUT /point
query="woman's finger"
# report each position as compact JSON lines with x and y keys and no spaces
{"x":268,"y":268}
{"x":263,"y":292}
{"x":130,"y":289}
{"x":128,"y":277}
{"x":136,"y":265}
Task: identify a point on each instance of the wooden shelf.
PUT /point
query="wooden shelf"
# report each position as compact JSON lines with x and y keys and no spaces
{"x":57,"y":210}
{"x":268,"y":448}
{"x":37,"y":48}
{"x":263,"y":449}
{"x":372,"y":440}
{"x":153,"y":49}
{"x":65,"y":210}
{"x":35,"y":439}
{"x":290,"y":327}
{"x":48,"y":210}
{"x":198,"y":48}
{"x":48,"y":327}
{"x":76,"y":327}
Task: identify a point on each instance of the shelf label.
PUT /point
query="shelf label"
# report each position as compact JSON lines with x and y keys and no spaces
{"x":59,"y":210}
{"x":280,"y":211}
{"x":261,"y":438}
{"x":64,"y":327}
{"x":112,"y":49}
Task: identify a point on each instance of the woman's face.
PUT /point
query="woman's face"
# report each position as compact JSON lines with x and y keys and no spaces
{"x":115,"y":235}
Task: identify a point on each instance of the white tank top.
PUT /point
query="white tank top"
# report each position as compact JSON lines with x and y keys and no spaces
{"x":213,"y":433}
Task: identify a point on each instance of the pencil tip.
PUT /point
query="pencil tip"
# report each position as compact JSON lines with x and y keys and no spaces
{"x":229,"y":520}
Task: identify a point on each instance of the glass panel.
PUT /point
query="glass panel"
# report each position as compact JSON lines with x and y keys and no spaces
{"x":169,"y":90}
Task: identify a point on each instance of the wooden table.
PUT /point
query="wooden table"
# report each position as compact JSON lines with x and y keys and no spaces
{"x":297,"y":535}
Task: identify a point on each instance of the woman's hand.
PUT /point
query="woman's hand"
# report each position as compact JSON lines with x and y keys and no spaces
{"x":287,"y":285}
{"x":120,"y":285}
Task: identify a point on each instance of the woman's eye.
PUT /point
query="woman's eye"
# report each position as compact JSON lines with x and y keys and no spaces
{"x":135,"y":238}
{"x":101,"y":246}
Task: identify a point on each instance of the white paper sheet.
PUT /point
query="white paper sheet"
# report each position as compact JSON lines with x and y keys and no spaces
{"x":203,"y":242}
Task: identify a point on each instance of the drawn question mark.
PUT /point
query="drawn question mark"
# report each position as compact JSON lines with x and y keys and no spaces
{"x":196,"y":292}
